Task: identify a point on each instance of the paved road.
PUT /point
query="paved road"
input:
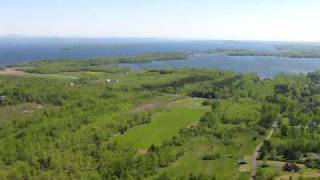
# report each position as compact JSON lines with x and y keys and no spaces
{"x":257,"y":151}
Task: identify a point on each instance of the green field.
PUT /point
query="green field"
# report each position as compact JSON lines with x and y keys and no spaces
{"x":165,"y":124}
{"x":224,"y":167}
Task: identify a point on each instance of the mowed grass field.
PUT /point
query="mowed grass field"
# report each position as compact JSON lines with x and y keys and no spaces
{"x":165,"y":124}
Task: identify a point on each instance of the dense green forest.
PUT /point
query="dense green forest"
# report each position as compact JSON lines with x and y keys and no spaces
{"x":107,"y":122}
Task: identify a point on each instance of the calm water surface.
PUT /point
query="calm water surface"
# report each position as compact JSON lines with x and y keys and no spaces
{"x":263,"y":66}
{"x":14,"y":51}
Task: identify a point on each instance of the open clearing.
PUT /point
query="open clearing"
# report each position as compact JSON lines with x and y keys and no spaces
{"x":224,"y":167}
{"x":15,"y":72}
{"x":11,"y":71}
{"x":305,"y":173}
{"x":165,"y":124}
{"x":157,"y":103}
{"x":9,"y":113}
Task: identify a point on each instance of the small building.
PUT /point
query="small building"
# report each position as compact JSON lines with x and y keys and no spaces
{"x":3,"y":99}
{"x":242,"y":162}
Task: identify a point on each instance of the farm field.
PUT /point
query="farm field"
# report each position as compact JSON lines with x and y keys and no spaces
{"x":165,"y":124}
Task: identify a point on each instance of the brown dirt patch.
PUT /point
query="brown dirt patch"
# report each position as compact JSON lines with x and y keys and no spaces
{"x":11,"y":71}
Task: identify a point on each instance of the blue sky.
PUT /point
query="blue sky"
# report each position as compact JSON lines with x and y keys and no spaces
{"x":289,"y":20}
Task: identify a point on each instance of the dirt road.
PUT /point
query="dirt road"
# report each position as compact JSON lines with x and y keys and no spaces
{"x":257,"y":151}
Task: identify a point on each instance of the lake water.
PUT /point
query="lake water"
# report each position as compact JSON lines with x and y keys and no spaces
{"x":263,"y":66}
{"x":14,"y":51}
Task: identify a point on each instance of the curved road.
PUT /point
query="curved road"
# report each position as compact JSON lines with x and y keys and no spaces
{"x":257,"y":151}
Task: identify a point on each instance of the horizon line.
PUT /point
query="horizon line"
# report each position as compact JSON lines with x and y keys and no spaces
{"x":18,"y":36}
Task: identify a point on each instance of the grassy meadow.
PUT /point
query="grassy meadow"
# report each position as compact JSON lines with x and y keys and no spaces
{"x":223,"y":167}
{"x":165,"y":124}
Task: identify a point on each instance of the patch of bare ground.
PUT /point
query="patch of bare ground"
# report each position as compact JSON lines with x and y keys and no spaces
{"x":8,"y":113}
{"x":246,"y":167}
{"x":156,"y":103}
{"x":11,"y":71}
{"x":147,"y":106}
{"x":142,"y":151}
